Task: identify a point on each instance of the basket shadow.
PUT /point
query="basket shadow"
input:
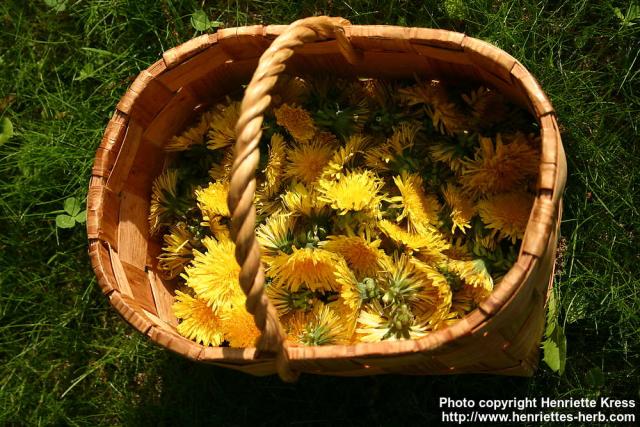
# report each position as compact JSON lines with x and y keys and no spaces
{"x":198,"y":394}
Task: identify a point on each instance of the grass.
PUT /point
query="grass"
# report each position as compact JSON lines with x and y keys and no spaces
{"x":68,"y":359}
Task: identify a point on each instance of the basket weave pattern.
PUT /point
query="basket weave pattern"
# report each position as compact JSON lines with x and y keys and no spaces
{"x":501,"y":336}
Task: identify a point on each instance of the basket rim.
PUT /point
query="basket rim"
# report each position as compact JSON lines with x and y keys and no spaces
{"x":542,"y":221}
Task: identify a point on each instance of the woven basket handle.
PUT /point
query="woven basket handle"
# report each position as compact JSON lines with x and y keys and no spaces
{"x":242,"y":185}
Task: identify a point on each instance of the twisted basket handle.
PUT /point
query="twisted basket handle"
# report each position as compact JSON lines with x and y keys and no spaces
{"x":242,"y":184}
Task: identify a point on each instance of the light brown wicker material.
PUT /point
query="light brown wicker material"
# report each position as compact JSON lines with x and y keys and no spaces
{"x":501,"y":336}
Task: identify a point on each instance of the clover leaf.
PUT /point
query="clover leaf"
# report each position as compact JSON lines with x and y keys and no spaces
{"x":74,"y":214}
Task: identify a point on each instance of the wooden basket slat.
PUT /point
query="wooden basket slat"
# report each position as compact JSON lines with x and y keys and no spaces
{"x":500,"y":337}
{"x":140,"y":287}
{"x":173,"y":117}
{"x":101,"y":263}
{"x":133,"y":229}
{"x":524,"y":79}
{"x":223,"y":80}
{"x":489,"y":58}
{"x":148,"y":163}
{"x":194,"y":68}
{"x":126,"y":155}
{"x":130,"y":311}
{"x":179,"y":54}
{"x":244,"y":42}
{"x":163,"y":291}
{"x":447,"y":55}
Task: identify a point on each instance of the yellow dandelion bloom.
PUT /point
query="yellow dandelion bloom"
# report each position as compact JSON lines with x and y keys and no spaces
{"x":362,"y":255}
{"x":349,"y":287}
{"x":354,"y":192}
{"x":290,"y":90}
{"x":310,"y":268}
{"x":163,"y":193}
{"x":419,"y":208}
{"x":286,"y":301}
{"x":240,"y":328}
{"x":448,"y":154}
{"x":499,"y":168}
{"x":462,"y":208}
{"x":428,"y":241}
{"x":507,"y":214}
{"x":213,"y":275}
{"x":275,"y":165}
{"x":322,"y":326}
{"x":325,"y":138}
{"x":459,"y":250}
{"x":354,"y":145}
{"x":192,"y":136}
{"x":462,"y":303}
{"x":475,"y":275}
{"x":444,"y":113}
{"x":487,"y":106}
{"x":198,"y":321}
{"x":212,"y":200}
{"x":222,"y":171}
{"x":383,"y":157}
{"x":375,"y":325}
{"x":276,"y":235}
{"x":306,"y":162}
{"x":435,"y":298}
{"x":176,"y":252}
{"x":297,"y":121}
{"x":218,"y":228}
{"x":223,"y":126}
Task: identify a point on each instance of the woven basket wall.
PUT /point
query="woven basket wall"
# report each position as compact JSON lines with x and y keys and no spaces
{"x":501,"y":336}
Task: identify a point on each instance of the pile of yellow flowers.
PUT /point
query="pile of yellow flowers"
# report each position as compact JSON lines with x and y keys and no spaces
{"x":386,"y":210}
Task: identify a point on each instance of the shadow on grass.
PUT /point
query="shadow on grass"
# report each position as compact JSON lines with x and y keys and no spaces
{"x":197,"y":394}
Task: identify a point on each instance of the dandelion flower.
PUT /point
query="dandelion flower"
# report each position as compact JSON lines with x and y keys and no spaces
{"x":299,"y":200}
{"x":427,"y":241}
{"x":475,"y":275}
{"x":499,"y":168}
{"x":276,"y":235}
{"x":219,"y":228}
{"x":354,"y":145}
{"x":462,"y":208}
{"x":275,"y":165}
{"x":311,"y":268}
{"x":240,"y":328}
{"x":212,"y":200}
{"x":387,"y":156}
{"x":290,"y":90}
{"x":223,"y":126}
{"x":297,"y":121}
{"x":198,"y":321}
{"x":362,"y":255}
{"x":322,"y":326}
{"x":507,"y":214}
{"x":449,"y":154}
{"x":375,"y":325}
{"x":286,"y":301}
{"x":192,"y":136}
{"x":221,"y":172}
{"x":444,"y":113}
{"x":419,"y":208}
{"x":435,"y":299}
{"x":487,"y":106}
{"x":163,"y":199}
{"x":399,"y":281}
{"x":213,"y":275}
{"x":354,"y":192}
{"x":176,"y":252}
{"x":306,"y":162}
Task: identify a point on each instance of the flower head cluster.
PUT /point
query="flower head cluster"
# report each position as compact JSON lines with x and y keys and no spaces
{"x":385,"y":211}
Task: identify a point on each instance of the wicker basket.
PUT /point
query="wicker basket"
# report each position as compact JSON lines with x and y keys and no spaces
{"x":501,"y":336}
